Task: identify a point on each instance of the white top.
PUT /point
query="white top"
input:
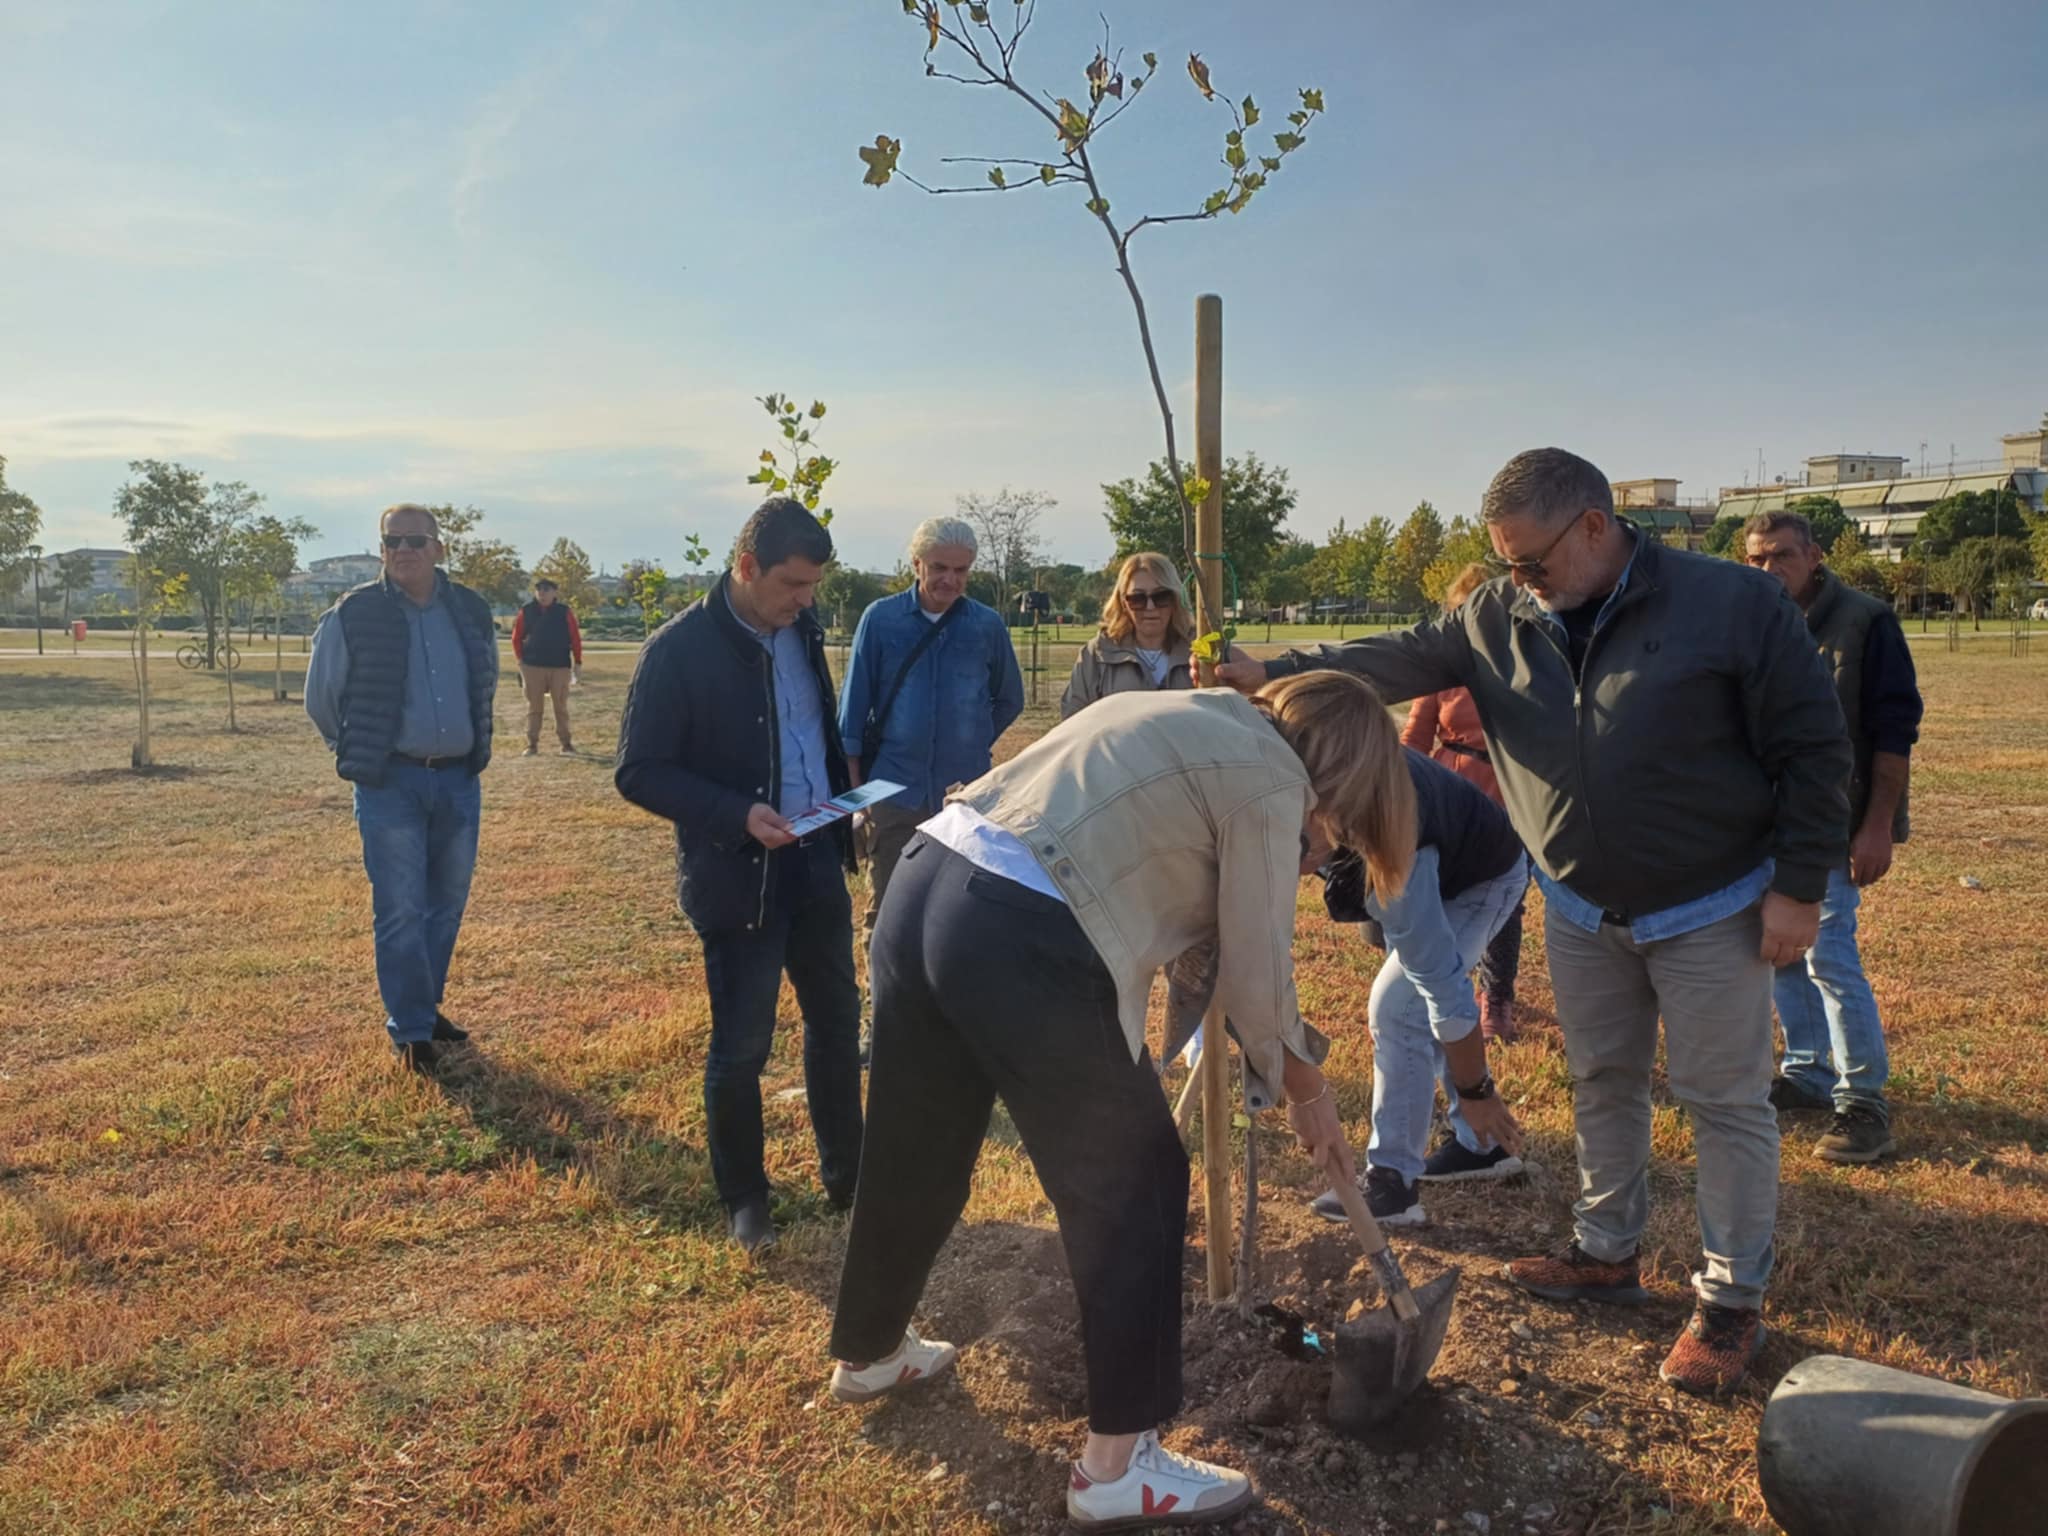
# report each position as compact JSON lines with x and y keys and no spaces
{"x":1157,"y":662}
{"x":928,"y":616}
{"x":989,"y":847}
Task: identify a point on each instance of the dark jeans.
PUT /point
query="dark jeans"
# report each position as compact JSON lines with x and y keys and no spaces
{"x":1502,"y":961}
{"x":984,"y":988}
{"x":419,"y":830}
{"x":809,"y":933}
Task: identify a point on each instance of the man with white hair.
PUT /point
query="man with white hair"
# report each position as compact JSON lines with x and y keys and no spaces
{"x":931,"y":683}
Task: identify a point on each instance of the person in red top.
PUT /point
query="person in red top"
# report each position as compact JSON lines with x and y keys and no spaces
{"x":548,"y":646}
{"x":1446,"y":726}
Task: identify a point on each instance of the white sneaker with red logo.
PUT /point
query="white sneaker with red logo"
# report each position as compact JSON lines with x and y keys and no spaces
{"x":1159,"y":1487}
{"x":914,"y":1361}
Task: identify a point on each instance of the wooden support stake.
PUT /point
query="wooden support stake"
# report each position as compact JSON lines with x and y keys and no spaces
{"x":1217,"y":1223}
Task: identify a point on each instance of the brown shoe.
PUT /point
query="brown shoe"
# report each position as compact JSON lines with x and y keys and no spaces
{"x":1575,"y":1275}
{"x":1714,"y":1353}
{"x":1497,"y":1019}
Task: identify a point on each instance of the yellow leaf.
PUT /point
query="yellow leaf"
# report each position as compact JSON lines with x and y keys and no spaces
{"x":1208,"y":647}
{"x":110,"y":1136}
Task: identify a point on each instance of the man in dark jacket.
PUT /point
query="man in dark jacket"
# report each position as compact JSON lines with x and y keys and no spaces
{"x":1834,"y":1041}
{"x":729,"y":733}
{"x":1670,"y":751}
{"x":401,"y":682}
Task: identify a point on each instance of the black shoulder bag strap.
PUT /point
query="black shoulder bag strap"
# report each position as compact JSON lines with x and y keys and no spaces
{"x":871,"y":731}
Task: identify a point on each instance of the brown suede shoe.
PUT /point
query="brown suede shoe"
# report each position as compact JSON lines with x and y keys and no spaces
{"x":1575,"y":1275}
{"x":1714,"y":1353}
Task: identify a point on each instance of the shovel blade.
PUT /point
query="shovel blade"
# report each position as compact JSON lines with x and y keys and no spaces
{"x":1380,"y":1360}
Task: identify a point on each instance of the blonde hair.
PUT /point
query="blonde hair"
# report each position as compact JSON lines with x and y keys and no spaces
{"x":1346,"y":740}
{"x":1117,"y":622}
{"x":1462,"y":584}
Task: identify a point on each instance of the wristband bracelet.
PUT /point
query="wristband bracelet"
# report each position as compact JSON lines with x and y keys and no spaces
{"x":1304,"y":1103}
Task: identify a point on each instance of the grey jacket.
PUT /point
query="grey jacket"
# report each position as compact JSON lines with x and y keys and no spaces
{"x":1703,"y":737}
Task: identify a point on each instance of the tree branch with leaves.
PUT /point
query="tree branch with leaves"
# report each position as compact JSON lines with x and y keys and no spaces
{"x":983,"y":53}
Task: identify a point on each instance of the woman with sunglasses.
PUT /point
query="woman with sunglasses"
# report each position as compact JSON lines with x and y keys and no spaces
{"x":1014,"y":959}
{"x":1143,"y":642}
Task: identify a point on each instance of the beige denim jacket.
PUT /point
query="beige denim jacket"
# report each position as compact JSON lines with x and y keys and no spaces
{"x":1107,"y":666}
{"x":1169,"y":820}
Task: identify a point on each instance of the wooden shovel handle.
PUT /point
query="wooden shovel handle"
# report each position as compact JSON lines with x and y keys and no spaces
{"x":1374,"y":1241}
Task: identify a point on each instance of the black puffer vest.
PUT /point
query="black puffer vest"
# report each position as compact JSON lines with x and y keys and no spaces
{"x":373,"y":699}
{"x":545,"y":640}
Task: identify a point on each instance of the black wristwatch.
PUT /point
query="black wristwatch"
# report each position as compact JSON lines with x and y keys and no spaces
{"x":1483,"y":1089}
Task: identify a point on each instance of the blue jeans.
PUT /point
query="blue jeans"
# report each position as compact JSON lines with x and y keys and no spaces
{"x":808,"y":931}
{"x":1407,"y":1058}
{"x":419,"y":848}
{"x":1834,"y":1042}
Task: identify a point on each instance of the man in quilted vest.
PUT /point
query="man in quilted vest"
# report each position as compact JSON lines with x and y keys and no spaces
{"x":401,"y":682}
{"x":1834,"y":1042}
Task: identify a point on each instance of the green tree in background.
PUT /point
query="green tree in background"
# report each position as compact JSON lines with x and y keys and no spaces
{"x":488,"y":567}
{"x":74,"y":574}
{"x":20,"y":521}
{"x":1465,"y":543}
{"x":1006,"y":526}
{"x":1724,"y":538}
{"x":1825,"y":513}
{"x":1146,"y":514}
{"x":1397,"y":583}
{"x":1970,"y":515}
{"x":1348,"y":563}
{"x":1853,"y":563}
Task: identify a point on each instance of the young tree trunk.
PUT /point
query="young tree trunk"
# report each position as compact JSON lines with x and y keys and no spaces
{"x":140,"y":757}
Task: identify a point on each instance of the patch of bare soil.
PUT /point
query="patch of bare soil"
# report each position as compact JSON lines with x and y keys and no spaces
{"x":1530,"y":1425}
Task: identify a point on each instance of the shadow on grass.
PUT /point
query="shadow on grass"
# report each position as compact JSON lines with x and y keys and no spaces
{"x":565,"y":1131}
{"x":21,"y":694}
{"x":158,"y":773}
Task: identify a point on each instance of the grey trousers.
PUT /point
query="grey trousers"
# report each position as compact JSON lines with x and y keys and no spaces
{"x":888,"y":833}
{"x":1714,"y":992}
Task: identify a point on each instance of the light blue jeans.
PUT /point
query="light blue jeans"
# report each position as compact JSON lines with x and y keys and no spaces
{"x":419,"y":831}
{"x":1834,"y":1042}
{"x":1407,"y":1058}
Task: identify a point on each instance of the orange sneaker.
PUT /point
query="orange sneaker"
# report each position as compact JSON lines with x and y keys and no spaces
{"x":1714,"y":1353}
{"x":1575,"y":1275}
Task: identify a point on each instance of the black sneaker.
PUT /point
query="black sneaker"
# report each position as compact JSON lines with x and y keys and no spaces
{"x":1787,"y":1094}
{"x":1859,"y":1135}
{"x":448,"y":1030}
{"x":1450,"y":1163}
{"x":419,"y":1056}
{"x":1393,"y":1200}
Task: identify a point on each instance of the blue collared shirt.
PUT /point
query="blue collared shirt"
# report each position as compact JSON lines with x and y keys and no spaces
{"x":800,"y":718}
{"x":435,"y":714}
{"x":1670,"y":922}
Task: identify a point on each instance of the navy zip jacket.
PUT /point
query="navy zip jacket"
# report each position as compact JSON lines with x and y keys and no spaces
{"x":699,"y":746}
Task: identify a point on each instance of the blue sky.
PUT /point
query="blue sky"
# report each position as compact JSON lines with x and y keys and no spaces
{"x":541,"y":258}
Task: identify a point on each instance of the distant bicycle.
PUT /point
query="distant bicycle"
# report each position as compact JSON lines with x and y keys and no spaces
{"x":192,"y":656}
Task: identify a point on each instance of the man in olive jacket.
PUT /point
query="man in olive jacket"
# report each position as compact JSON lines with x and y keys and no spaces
{"x":1670,"y":750}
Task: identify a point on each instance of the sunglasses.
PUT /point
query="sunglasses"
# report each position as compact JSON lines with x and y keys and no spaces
{"x":1533,"y":569}
{"x":1158,"y":597}
{"x":409,"y":540}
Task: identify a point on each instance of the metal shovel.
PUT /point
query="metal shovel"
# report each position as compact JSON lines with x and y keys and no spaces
{"x":1386,"y":1354}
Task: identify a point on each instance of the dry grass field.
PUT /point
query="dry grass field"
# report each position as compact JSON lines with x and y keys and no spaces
{"x":254,"y":1279}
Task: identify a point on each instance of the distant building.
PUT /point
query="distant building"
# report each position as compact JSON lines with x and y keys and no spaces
{"x":1886,"y":503}
{"x":1655,"y":504}
{"x":327,"y":578}
{"x":113,"y":576}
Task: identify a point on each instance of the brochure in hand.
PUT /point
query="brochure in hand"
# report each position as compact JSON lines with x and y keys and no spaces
{"x":840,"y":806}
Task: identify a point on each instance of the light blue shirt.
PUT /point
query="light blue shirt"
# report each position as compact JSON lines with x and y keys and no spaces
{"x":800,"y":718}
{"x":1670,"y":922}
{"x":435,"y":714}
{"x":1687,"y":917}
{"x":1419,"y":931}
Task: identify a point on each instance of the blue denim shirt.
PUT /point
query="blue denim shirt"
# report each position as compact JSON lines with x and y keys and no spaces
{"x":963,"y":693}
{"x":435,"y":721}
{"x":1419,"y":931}
{"x":801,"y":722}
{"x":1669,"y":923}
